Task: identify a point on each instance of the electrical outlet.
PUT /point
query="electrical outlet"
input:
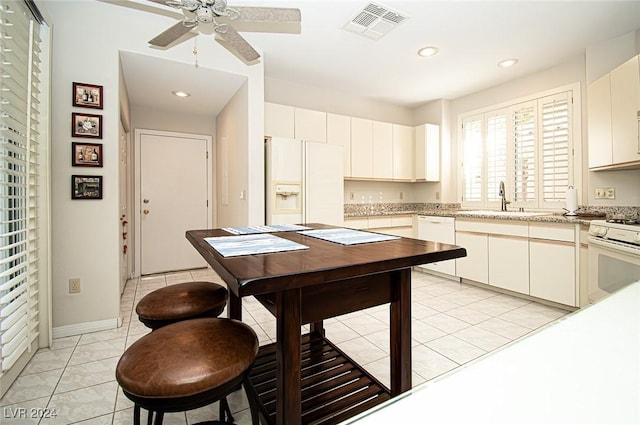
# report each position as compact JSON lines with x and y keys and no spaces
{"x":401,"y":195}
{"x":437,"y":196}
{"x":610,"y":193}
{"x":351,"y":196}
{"x":74,"y":285}
{"x":605,"y":193}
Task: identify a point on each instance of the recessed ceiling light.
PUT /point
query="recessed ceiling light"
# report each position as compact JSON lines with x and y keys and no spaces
{"x":181,"y":93}
{"x":507,"y":63}
{"x":428,"y":51}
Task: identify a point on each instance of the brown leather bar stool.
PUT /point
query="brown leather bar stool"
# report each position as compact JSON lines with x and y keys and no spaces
{"x":189,"y":300}
{"x":187,"y":365}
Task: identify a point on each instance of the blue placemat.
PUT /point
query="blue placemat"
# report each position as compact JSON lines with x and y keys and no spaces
{"x":262,"y":243}
{"x":347,"y":236}
{"x":251,"y":230}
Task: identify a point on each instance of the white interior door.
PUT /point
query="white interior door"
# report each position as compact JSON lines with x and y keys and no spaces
{"x":173,"y":199}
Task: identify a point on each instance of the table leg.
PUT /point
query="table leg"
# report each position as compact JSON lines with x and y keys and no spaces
{"x":400,"y":332}
{"x":288,"y":373}
{"x":234,"y":306}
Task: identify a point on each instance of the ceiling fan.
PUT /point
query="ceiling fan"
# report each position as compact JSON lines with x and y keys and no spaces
{"x":224,"y":19}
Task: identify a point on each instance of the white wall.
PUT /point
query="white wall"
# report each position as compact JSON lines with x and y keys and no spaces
{"x":336,"y":102}
{"x":87,"y":38}
{"x":231,"y":154}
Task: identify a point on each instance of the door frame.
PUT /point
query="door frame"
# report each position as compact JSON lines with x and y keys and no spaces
{"x":137,"y":209}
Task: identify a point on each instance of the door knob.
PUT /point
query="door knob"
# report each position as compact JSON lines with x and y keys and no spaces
{"x":146,"y":201}
{"x":145,"y":212}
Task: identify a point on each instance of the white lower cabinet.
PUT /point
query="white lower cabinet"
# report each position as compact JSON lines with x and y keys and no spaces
{"x":475,"y":266}
{"x":509,"y":263}
{"x":536,"y":259}
{"x":553,"y":271}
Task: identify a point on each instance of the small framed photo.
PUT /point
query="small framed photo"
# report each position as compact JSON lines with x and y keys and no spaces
{"x":86,"y":125}
{"x":86,"y":154}
{"x":86,"y":187}
{"x":87,"y":95}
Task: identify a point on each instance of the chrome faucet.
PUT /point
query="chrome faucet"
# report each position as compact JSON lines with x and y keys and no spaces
{"x":503,"y":197}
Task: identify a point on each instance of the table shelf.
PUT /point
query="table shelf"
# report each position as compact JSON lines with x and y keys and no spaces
{"x":334,"y":387}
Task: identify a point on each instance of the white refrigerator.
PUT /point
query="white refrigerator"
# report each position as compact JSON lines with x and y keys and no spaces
{"x":304,"y":182}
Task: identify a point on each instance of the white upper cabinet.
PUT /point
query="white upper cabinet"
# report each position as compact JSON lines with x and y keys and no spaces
{"x":279,"y":120}
{"x":625,"y":104}
{"x":613,"y":104}
{"x":339,"y":133}
{"x":310,"y":125}
{"x":361,"y":148}
{"x":403,"y":152}
{"x":427,"y":153}
{"x":382,"y":150}
{"x":599,"y":122}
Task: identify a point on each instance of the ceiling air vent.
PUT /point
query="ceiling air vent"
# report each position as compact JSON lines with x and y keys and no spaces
{"x":374,"y":21}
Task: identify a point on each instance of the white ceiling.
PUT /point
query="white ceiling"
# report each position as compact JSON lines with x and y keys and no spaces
{"x":473,"y":36}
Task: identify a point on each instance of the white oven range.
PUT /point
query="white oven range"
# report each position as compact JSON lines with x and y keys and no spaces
{"x":614,"y":256}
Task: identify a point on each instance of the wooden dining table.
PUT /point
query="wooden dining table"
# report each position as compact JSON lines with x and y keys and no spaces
{"x":305,"y":378}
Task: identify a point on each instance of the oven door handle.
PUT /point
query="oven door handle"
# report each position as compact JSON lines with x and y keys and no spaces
{"x":614,"y":246}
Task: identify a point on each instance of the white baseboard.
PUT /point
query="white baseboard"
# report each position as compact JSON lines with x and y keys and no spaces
{"x":86,"y":327}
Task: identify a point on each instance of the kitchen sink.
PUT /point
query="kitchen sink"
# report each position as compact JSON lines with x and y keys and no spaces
{"x":504,"y":213}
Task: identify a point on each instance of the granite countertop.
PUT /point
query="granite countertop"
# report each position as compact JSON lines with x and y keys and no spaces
{"x":588,"y":213}
{"x":548,"y":218}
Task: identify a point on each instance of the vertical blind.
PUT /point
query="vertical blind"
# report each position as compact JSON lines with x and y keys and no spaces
{"x":20,"y":57}
{"x":527,"y":145}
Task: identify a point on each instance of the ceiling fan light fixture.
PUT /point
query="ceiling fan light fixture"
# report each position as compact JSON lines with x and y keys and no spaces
{"x":180,"y":93}
{"x":428,"y":51}
{"x":507,"y":63}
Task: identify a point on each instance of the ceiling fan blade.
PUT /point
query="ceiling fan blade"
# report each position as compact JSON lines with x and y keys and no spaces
{"x":268,"y":14}
{"x":236,"y":44}
{"x":171,"y":35}
{"x":267,"y":19}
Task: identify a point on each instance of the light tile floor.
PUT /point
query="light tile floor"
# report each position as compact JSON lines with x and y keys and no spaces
{"x":452,"y":324}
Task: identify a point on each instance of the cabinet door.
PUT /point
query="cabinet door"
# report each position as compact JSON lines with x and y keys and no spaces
{"x":361,"y":148}
{"x":509,"y":263}
{"x":339,"y":133}
{"x":475,"y":266}
{"x":625,"y":99}
{"x":382,"y":150}
{"x":403,"y":152}
{"x":599,"y":122}
{"x":278,"y":120}
{"x":553,"y":271}
{"x":310,"y":125}
{"x":427,"y":157}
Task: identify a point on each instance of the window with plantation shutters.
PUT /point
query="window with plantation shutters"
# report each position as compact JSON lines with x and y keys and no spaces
{"x":496,"y":154}
{"x":527,"y":145}
{"x":19,"y":179}
{"x":555,"y":149}
{"x":473,"y":159}
{"x":524,"y":153}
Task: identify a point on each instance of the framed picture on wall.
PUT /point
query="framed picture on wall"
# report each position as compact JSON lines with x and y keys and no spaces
{"x":87,"y":95}
{"x":86,"y":187}
{"x":86,"y":125}
{"x":86,"y":154}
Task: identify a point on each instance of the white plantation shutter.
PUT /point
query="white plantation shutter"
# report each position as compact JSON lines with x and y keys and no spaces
{"x":496,"y":147}
{"x":19,"y":168}
{"x":555,"y":147}
{"x":528,"y":145}
{"x":524,"y":153}
{"x":473,"y":159}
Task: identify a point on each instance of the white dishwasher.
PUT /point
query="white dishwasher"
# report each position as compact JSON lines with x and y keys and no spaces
{"x":438,"y":229}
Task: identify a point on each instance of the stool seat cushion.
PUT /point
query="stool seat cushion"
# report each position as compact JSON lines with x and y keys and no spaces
{"x":187,"y":358}
{"x":181,"y":301}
